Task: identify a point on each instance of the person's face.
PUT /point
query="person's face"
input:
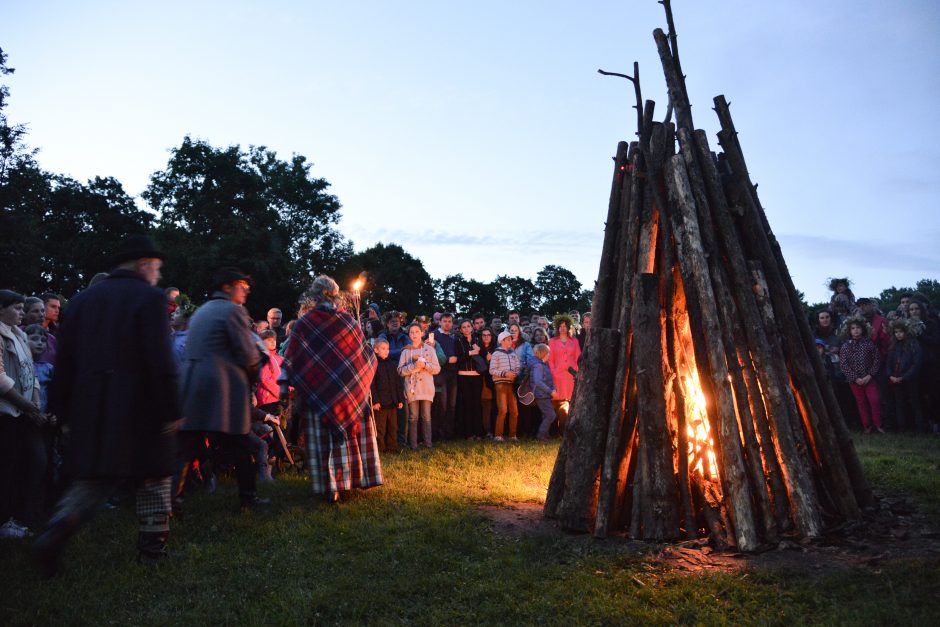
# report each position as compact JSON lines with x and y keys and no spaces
{"x":171,"y":296}
{"x":586,"y":323}
{"x":478,"y":323}
{"x":394,"y":324}
{"x":52,"y":309}
{"x":415,"y":334}
{"x":820,"y":349}
{"x":237,"y":292}
{"x":176,"y":319}
{"x":539,"y":336}
{"x":497,"y":323}
{"x":274,"y":318}
{"x":855,"y":331}
{"x":372,"y":314}
{"x":506,"y":344}
{"x":147,"y":268}
{"x":447,"y":324}
{"x":514,"y":318}
{"x":824,"y":318}
{"x":465,"y":328}
{"x":841,"y":287}
{"x":487,"y":338}
{"x":515,"y":332}
{"x":270,"y":343}
{"x":866,"y":309}
{"x":37,"y":344}
{"x":12,"y":315}
{"x":575,"y":316}
{"x":914,"y":311}
{"x":899,"y":335}
{"x":905,"y":301}
{"x":543,"y":323}
{"x":563,"y":329}
{"x":261,"y":326}
{"x":424,"y":324}
{"x":35,"y":314}
{"x":381,"y":349}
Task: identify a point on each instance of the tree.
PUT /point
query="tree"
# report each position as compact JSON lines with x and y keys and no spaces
{"x":928,"y":288}
{"x":11,"y":136}
{"x":393,"y":278}
{"x":219,"y":207}
{"x":560,"y":290}
{"x":517,"y":293}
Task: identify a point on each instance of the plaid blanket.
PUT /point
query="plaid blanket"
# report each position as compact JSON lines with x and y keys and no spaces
{"x":331,"y":365}
{"x":338,"y":462}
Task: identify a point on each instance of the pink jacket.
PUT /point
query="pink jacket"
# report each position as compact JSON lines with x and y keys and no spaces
{"x":268,"y":388}
{"x":563,"y":355}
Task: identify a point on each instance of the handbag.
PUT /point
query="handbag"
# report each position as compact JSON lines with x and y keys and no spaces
{"x":480,"y":365}
{"x":525,"y":392}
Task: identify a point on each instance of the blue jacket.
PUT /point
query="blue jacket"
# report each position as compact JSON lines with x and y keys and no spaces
{"x":904,"y":360}
{"x":540,"y":378}
{"x":449,"y":345}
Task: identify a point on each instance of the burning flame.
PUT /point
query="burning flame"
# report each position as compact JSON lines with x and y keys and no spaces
{"x":357,"y":285}
{"x":701,"y":445}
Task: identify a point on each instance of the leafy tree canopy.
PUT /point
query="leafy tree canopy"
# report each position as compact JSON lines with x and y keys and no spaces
{"x":560,"y":290}
{"x":392,"y":277}
{"x":228,"y":206}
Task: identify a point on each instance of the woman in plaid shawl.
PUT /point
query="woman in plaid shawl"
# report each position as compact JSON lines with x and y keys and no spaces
{"x":331,"y":365}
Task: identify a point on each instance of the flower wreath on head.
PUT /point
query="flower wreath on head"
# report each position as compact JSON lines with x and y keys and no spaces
{"x":563,"y":317}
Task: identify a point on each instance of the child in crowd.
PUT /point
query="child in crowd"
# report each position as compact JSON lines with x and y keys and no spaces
{"x":543,"y":385}
{"x":38,"y":338}
{"x":266,"y":400}
{"x":859,"y":360}
{"x":417,"y":365}
{"x":904,"y":363}
{"x":505,"y":367}
{"x":388,"y":396}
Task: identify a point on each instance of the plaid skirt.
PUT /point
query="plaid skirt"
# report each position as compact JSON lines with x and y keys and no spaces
{"x":338,"y":462}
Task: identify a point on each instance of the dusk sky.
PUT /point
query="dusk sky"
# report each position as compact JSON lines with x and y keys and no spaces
{"x":479,"y":135}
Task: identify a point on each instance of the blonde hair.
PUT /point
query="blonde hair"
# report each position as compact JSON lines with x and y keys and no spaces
{"x":541,"y":350}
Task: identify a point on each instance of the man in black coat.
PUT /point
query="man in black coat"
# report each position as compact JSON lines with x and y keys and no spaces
{"x":115,"y":391}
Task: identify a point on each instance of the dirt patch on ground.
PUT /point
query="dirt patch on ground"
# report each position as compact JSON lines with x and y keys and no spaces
{"x":893,"y":530}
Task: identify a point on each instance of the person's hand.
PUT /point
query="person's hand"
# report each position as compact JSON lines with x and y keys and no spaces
{"x":452,"y":360}
{"x":376,"y":406}
{"x":400,"y":405}
{"x":511,"y":375}
{"x":489,"y":356}
{"x":272,"y":419}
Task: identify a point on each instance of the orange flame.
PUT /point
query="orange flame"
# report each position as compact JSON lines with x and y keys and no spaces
{"x":701,"y":449}
{"x":357,"y":286}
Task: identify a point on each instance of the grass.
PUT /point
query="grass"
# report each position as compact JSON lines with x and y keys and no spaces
{"x":419,"y":550}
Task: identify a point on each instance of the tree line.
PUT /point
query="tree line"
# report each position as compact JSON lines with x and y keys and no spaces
{"x":215,"y":206}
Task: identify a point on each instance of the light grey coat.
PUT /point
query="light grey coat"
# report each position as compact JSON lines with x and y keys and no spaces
{"x":220,"y":361}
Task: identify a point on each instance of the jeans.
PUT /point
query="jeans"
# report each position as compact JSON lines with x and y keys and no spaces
{"x":548,"y":416}
{"x":445,"y":405}
{"x":414,"y":408}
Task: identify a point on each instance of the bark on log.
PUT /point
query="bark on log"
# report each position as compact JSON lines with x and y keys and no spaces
{"x":695,"y":275}
{"x":587,"y":430}
{"x":657,"y":504}
{"x":674,"y":83}
{"x":606,"y":275}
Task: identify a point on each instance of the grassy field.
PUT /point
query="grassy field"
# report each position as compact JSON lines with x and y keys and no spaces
{"x":420,"y":550}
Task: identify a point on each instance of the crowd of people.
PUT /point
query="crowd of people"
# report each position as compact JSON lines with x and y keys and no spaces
{"x":130,"y":389}
{"x":884,"y":365}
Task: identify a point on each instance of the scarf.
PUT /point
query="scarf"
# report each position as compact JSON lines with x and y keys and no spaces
{"x":330,"y":364}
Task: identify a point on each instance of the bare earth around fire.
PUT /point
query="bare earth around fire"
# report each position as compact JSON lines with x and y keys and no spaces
{"x":892,"y":530}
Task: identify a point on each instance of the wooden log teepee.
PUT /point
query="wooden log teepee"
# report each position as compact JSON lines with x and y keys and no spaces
{"x":701,"y":406}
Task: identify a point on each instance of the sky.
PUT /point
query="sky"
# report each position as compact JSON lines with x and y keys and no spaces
{"x":479,"y":135}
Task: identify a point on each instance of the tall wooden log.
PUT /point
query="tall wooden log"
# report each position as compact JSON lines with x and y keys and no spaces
{"x":587,"y":430}
{"x":658,"y":502}
{"x":696,"y":276}
{"x":606,"y":275}
{"x":674,"y":83}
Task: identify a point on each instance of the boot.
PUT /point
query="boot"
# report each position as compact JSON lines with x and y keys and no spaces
{"x":152,"y":537}
{"x":252,"y":500}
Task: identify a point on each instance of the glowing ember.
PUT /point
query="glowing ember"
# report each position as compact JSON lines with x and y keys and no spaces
{"x":357,"y":286}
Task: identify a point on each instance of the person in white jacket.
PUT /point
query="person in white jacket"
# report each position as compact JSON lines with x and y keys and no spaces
{"x":504,"y":368}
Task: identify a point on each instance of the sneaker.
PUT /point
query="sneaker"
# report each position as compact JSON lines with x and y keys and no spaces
{"x":514,"y":439}
{"x":498,"y":438}
{"x":13,"y":531}
{"x":879,"y":430}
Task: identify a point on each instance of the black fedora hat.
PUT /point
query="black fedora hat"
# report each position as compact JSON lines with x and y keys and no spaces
{"x":136,"y":247}
{"x":229,"y":275}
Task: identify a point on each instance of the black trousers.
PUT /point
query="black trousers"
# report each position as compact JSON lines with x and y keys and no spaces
{"x":23,"y":462}
{"x":236,"y":448}
{"x":469,"y":406}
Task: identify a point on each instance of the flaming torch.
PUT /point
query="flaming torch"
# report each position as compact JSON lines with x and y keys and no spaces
{"x":357,"y":289}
